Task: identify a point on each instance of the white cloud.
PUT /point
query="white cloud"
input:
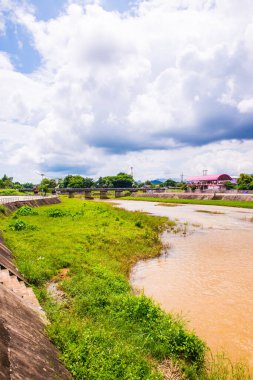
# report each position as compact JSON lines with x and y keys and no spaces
{"x":117,"y":89}
{"x":246,"y":106}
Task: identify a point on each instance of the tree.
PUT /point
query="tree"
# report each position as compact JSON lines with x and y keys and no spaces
{"x":245,"y":182}
{"x":229,"y":185}
{"x":121,"y":180}
{"x":47,"y":184}
{"x":17,"y":185}
{"x":184,"y":186}
{"x":28,"y":185}
{"x":169,"y":183}
{"x":6,"y":182}
{"x":77,"y":181}
{"x":51,"y":183}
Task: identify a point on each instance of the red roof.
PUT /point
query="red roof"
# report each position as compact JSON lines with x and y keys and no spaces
{"x":215,"y":177}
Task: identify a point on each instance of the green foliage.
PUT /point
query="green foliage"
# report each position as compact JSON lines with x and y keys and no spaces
{"x":183,"y":186}
{"x":229,"y":185}
{"x":56,"y":212}
{"x":120,"y":180}
{"x":169,"y":183}
{"x":245,"y":182}
{"x":26,"y":210}
{"x":9,"y":192}
{"x":50,"y":183}
{"x":6,"y":182}
{"x":220,"y":367}
{"x":138,"y":223}
{"x":242,"y":204}
{"x":103,"y":331}
{"x":77,"y":181}
{"x":3,"y":210}
{"x":20,"y":225}
{"x":27,"y":185}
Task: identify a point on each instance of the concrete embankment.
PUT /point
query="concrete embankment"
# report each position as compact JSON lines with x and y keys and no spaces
{"x":25,"y":351}
{"x":200,"y":196}
{"x":12,"y":203}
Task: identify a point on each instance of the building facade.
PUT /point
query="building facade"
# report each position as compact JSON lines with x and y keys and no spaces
{"x":209,"y":182}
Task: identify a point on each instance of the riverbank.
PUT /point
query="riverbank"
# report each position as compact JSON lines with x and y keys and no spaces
{"x":102,"y":330}
{"x":84,"y":251}
{"x":205,"y":274}
{"x":197,"y":200}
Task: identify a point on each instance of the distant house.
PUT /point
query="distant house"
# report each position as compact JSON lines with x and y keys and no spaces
{"x":209,"y":182}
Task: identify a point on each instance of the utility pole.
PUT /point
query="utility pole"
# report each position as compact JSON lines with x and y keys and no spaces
{"x":182,"y":177}
{"x":132,"y":171}
{"x":42,"y":175}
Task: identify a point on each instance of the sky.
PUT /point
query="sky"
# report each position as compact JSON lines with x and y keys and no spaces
{"x":96,"y":87}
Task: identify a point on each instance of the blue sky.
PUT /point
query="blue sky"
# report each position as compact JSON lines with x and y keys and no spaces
{"x":166,"y":88}
{"x":18,"y":43}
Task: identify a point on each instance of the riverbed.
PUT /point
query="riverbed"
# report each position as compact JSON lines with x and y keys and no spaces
{"x":206,"y":275}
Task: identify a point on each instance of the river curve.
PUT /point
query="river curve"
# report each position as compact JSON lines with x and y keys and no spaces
{"x":207,"y":275}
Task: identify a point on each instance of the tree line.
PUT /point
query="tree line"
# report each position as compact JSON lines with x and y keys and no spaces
{"x":121,"y":180}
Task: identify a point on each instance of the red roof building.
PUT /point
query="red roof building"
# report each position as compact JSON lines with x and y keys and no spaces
{"x":210,"y":182}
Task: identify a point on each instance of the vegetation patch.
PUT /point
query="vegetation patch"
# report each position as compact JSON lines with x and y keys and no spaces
{"x":10,"y":192}
{"x":102,"y":329}
{"x":227,"y":203}
{"x":210,"y":212}
{"x":57,"y":212}
{"x":20,"y":225}
{"x":26,"y":210}
{"x":3,"y":210}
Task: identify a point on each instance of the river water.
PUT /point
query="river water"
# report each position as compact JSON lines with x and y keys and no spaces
{"x":206,"y":275}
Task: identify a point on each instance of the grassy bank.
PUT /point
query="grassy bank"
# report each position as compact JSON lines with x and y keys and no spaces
{"x":226,"y":203}
{"x":102,"y":329}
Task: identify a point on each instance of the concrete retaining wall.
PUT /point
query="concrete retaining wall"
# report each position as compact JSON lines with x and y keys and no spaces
{"x":13,"y":204}
{"x":26,"y":353}
{"x":203,"y":196}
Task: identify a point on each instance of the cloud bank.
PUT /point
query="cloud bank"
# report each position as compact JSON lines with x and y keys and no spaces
{"x":164,"y":87}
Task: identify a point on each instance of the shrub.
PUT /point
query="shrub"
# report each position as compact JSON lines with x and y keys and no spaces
{"x":9,"y":192}
{"x":26,"y":210}
{"x":56,"y":213}
{"x":20,"y":225}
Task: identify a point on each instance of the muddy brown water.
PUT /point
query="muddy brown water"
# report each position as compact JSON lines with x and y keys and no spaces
{"x":207,"y":275}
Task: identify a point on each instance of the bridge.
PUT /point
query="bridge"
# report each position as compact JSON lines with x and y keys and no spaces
{"x":103,"y":192}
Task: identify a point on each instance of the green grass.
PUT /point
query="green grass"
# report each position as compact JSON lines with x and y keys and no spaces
{"x":13,"y":192}
{"x":226,"y":203}
{"x":103,"y":330}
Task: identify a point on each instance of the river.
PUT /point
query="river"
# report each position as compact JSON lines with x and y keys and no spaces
{"x":206,"y":275}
